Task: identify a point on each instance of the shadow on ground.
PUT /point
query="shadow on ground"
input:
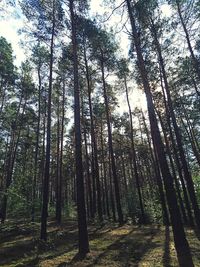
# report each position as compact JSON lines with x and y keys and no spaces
{"x":110,"y":245}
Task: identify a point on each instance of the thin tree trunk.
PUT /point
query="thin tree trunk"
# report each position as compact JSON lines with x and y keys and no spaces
{"x":60,"y":191}
{"x":133,"y":156}
{"x":194,"y":59}
{"x":104,"y":173}
{"x":58,"y":184}
{"x":36,"y":146}
{"x":11,"y":159}
{"x":110,"y":144}
{"x":45,"y":196}
{"x":112,"y":199}
{"x":89,"y":187}
{"x":94,"y":142}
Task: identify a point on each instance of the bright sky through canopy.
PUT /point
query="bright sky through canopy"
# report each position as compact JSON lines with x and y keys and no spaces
{"x":12,"y":22}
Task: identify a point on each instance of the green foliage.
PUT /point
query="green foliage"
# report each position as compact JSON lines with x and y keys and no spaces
{"x":7,"y":70}
{"x":18,"y":206}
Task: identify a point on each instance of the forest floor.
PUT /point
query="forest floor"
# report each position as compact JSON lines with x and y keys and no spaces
{"x":110,"y":245}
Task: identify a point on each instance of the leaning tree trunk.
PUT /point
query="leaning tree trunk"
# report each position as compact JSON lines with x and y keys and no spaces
{"x":181,"y":244}
{"x":168,"y":150}
{"x":177,"y":161}
{"x":158,"y":177}
{"x":187,"y":174}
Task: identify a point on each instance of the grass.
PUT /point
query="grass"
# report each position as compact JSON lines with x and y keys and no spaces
{"x":110,"y":246}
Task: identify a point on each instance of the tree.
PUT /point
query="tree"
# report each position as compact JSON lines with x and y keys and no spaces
{"x":105,"y":50}
{"x":40,"y":58}
{"x":26,"y":87}
{"x":181,"y":244}
{"x":123,"y":74}
{"x":82,"y":224}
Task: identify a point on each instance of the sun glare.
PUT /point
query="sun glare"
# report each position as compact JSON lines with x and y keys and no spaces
{"x":166,"y":10}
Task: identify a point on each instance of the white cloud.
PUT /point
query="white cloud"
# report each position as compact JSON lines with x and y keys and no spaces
{"x":9,"y":29}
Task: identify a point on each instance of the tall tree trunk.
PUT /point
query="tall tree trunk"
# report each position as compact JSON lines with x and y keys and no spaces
{"x":88,"y":181}
{"x":104,"y":173}
{"x":60,"y":191}
{"x":94,"y":141}
{"x":11,"y":157}
{"x":187,"y":174}
{"x":82,"y":223}
{"x":45,"y":193}
{"x":112,"y":199}
{"x":58,"y":184}
{"x":158,"y":176}
{"x":181,"y":244}
{"x":177,"y":160}
{"x":36,"y":145}
{"x":133,"y":155}
{"x":173,"y":169}
{"x":110,"y":144}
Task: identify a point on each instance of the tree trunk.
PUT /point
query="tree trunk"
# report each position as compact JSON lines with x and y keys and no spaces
{"x":45,"y":196}
{"x":11,"y":158}
{"x":60,"y":191}
{"x":58,"y":185}
{"x":194,"y":59}
{"x":36,"y":146}
{"x":158,"y":177}
{"x":94,"y":142}
{"x":173,"y":171}
{"x":89,"y":187}
{"x":104,"y":173}
{"x":112,"y":199}
{"x":185,"y":168}
{"x":133,"y":157}
{"x":110,"y":144}
{"x":181,"y":244}
{"x":82,"y":223}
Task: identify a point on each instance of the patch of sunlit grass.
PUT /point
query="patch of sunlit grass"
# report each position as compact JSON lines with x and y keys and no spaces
{"x":110,"y":246}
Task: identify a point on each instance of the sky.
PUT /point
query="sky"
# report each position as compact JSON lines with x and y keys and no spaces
{"x":12,"y":22}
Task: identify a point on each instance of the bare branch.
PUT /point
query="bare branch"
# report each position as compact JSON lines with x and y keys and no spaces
{"x":113,"y":12}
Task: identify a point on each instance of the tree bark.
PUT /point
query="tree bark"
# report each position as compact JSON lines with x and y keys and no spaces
{"x":181,"y":244}
{"x":133,"y":156}
{"x":187,"y":174}
{"x":94,"y":142}
{"x":82,"y":223}
{"x":110,"y":144}
{"x":45,"y":196}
